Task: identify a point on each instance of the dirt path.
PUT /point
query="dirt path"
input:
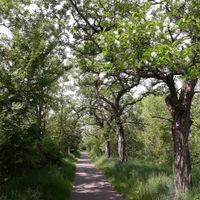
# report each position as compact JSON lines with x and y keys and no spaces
{"x":90,"y":184}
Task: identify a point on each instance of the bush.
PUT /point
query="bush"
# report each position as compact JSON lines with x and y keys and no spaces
{"x":48,"y":183}
{"x":51,"y":151}
{"x":21,"y":146}
{"x":17,"y":138}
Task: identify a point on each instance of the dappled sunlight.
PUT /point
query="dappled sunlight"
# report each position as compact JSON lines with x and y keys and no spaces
{"x":90,"y":184}
{"x":116,"y":79}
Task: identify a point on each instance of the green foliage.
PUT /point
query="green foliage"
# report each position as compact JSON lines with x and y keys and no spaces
{"x":138,"y":180}
{"x":49,"y":183}
{"x":118,"y":44}
{"x":32,"y":61}
{"x":16,"y":141}
{"x":50,"y":150}
{"x":149,"y":175}
{"x":64,"y":131}
{"x":147,"y":132}
{"x":144,"y":180}
{"x":194,"y":139}
{"x":156,"y":134}
{"x":20,"y":149}
{"x":150,"y":41}
{"x":94,"y":143}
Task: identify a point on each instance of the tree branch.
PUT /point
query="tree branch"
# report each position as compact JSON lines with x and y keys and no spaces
{"x":163,"y":118}
{"x":82,"y":16}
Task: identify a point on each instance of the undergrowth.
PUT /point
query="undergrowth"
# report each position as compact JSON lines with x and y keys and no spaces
{"x":144,"y":180}
{"x":52,"y":182}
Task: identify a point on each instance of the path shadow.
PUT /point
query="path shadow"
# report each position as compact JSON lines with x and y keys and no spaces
{"x":90,"y":184}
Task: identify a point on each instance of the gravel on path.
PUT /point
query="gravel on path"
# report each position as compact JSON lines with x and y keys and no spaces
{"x":90,"y":183}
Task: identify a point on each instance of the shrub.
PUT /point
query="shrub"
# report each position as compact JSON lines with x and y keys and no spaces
{"x":51,"y":151}
{"x":48,"y":183}
{"x":17,"y":136}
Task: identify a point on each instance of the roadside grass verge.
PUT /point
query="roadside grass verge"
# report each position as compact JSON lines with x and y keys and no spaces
{"x":52,"y":182}
{"x":145,"y":180}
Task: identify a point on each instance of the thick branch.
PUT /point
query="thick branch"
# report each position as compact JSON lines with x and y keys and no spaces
{"x":125,"y":90}
{"x":169,"y":80}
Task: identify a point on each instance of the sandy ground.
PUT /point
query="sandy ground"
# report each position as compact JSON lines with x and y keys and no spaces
{"x":90,"y":183}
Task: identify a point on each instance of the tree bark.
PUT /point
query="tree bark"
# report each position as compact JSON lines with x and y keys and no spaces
{"x":39,"y":110}
{"x":180,"y":107}
{"x":181,"y":161}
{"x":120,"y":138}
{"x":107,"y":149}
{"x":68,"y":150}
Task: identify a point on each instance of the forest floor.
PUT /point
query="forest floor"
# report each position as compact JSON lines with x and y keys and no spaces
{"x":90,"y":183}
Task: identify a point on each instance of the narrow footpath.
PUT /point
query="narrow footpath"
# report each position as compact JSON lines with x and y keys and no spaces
{"x":90,"y":183}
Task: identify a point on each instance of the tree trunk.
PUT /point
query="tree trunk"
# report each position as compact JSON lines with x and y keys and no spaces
{"x":39,"y":118}
{"x":120,"y":138}
{"x":181,"y":162}
{"x":107,"y":149}
{"x":180,"y":106}
{"x":68,"y":150}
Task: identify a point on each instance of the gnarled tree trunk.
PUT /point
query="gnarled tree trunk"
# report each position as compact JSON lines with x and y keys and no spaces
{"x":181,"y":162}
{"x":180,"y":109}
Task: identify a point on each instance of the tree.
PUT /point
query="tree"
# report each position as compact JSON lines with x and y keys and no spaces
{"x":92,"y":58}
{"x":112,"y":92}
{"x":63,"y":125}
{"x":156,"y":136}
{"x":161,"y":42}
{"x":103,"y":118}
{"x":32,"y":61}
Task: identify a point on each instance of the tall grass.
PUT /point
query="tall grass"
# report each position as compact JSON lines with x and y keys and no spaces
{"x":53,"y":182}
{"x":144,"y":180}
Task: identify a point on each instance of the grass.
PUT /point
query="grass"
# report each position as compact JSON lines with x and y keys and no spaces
{"x":53,"y":182}
{"x":145,"y":180}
